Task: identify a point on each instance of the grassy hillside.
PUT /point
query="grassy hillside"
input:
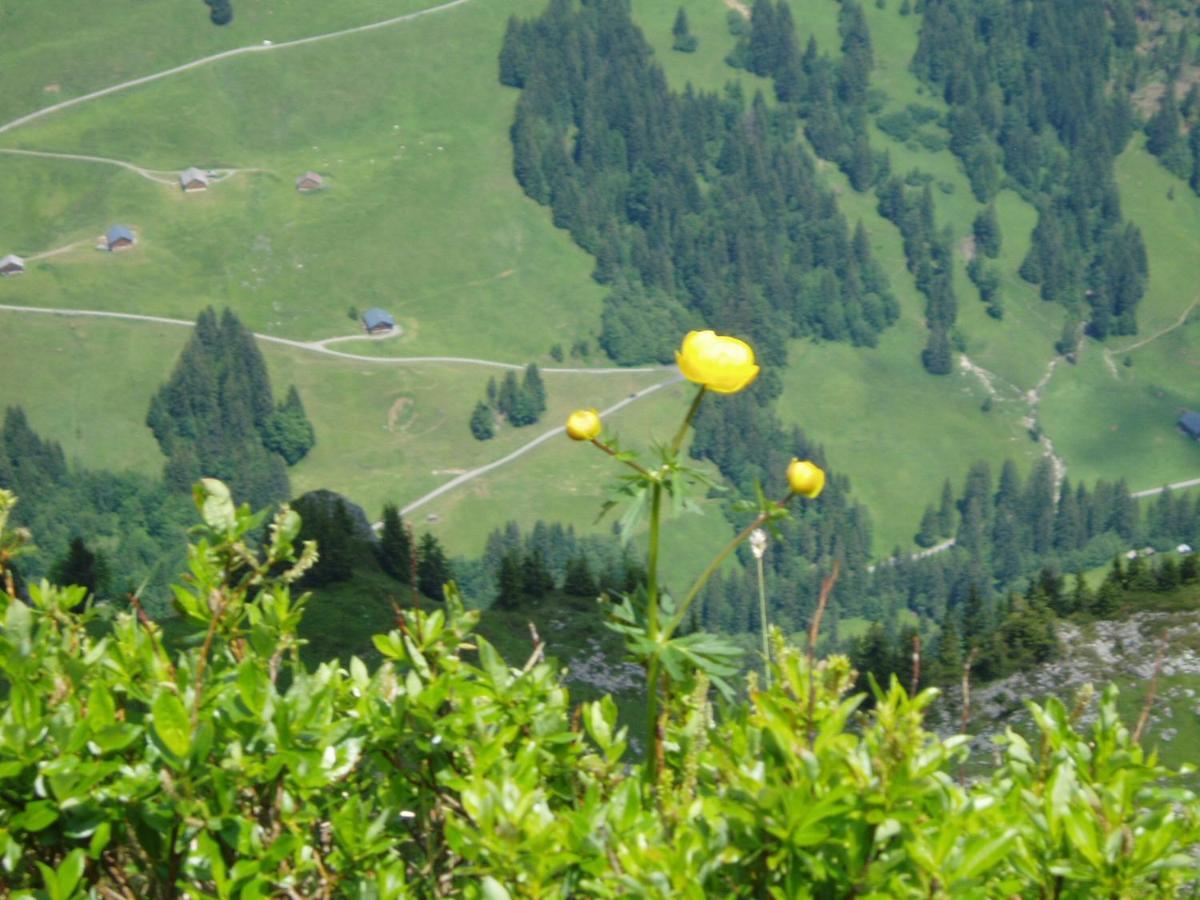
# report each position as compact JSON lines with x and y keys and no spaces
{"x":423,"y":217}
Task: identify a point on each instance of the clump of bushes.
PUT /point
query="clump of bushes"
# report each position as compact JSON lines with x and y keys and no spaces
{"x":228,"y":768}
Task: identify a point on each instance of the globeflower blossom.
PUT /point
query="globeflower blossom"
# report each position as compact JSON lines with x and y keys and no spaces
{"x":721,"y":363}
{"x":805,"y":478}
{"x":584,"y":425}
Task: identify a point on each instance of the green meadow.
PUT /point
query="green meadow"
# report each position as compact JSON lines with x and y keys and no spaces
{"x":422,"y":216}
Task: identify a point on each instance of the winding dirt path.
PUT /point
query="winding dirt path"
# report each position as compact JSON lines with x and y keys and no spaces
{"x":217,"y":57}
{"x":1174,"y":485}
{"x":1032,"y":399}
{"x":162,"y":176}
{"x":169,"y":177}
{"x":525,"y":448}
{"x":319,"y":346}
{"x":1178,"y":323}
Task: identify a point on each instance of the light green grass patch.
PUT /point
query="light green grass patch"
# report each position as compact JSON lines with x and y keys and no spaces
{"x":108,"y":43}
{"x":422,"y":215}
{"x":1171,"y":230}
{"x":1122,"y":427}
{"x":564,"y":481}
{"x":87,"y":384}
{"x":705,"y":69}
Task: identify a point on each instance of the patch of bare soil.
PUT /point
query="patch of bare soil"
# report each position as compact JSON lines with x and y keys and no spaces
{"x":739,"y":7}
{"x":966,"y":247}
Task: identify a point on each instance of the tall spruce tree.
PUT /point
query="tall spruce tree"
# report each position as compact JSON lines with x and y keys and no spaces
{"x":433,"y":569}
{"x":395,"y":546}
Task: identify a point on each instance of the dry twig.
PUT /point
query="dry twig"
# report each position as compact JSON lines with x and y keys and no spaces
{"x":1153,"y":692}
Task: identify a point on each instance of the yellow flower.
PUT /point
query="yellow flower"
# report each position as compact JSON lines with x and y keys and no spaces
{"x":583,"y":425}
{"x":720,"y":363}
{"x":805,"y":478}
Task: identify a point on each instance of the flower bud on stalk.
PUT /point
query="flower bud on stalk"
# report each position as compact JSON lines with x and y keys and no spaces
{"x":805,"y":478}
{"x":584,"y":425}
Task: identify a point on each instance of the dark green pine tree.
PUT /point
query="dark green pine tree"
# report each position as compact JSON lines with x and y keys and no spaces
{"x":764,"y":37}
{"x":873,"y":657}
{"x":1194,"y":147}
{"x":977,"y":622}
{"x":578,"y":580}
{"x":483,"y":423}
{"x":536,"y":580}
{"x":1189,"y":569}
{"x":80,"y":566}
{"x":945,"y":526}
{"x":288,"y":430}
{"x":523,"y":409}
{"x":395,"y":546}
{"x":509,"y":584}
{"x":433,"y":569}
{"x":987,"y":232}
{"x":1163,"y":129}
{"x":684,"y":40}
{"x":326,"y":520}
{"x":533,"y":385}
{"x":937,"y":357}
{"x":948,"y":662}
{"x":927,"y":532}
{"x":512,"y":52}
{"x":1082,"y":598}
{"x":506,"y":396}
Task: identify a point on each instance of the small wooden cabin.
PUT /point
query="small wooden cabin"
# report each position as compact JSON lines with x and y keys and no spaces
{"x":378,"y":321}
{"x":119,"y":237}
{"x":11,"y":265}
{"x":309,"y":181}
{"x":193,"y":179}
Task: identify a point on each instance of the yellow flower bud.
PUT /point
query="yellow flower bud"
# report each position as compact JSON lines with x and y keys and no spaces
{"x":805,"y":478}
{"x":583,"y":425}
{"x":720,"y":363}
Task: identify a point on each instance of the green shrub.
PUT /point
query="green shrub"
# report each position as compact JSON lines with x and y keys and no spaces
{"x":228,"y":769}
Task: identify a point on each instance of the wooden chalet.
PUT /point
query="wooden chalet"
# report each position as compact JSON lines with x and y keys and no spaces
{"x":378,"y":321}
{"x":309,"y":181}
{"x":192,"y":179}
{"x":11,"y":265}
{"x":119,"y":237}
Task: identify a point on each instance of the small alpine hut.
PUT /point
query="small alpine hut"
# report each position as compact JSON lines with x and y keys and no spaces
{"x":11,"y":265}
{"x":378,"y":321}
{"x":119,"y":237}
{"x":309,"y":181}
{"x":1190,"y":423}
{"x":192,"y":179}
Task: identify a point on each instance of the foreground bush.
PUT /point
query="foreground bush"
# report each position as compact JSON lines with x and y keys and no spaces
{"x":230,"y":770}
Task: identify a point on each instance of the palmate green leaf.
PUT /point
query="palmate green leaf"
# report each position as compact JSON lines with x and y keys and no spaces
{"x":171,"y":724}
{"x":715,"y":656}
{"x":636,"y":507}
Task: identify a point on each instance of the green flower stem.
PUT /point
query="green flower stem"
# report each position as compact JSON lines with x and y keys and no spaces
{"x":652,"y":629}
{"x":712,"y":567}
{"x":687,"y":420}
{"x":762,"y":621}
{"x":637,"y":467}
{"x":652,"y":560}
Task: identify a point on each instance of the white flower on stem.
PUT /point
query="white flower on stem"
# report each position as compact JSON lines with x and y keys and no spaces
{"x":758,"y":543}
